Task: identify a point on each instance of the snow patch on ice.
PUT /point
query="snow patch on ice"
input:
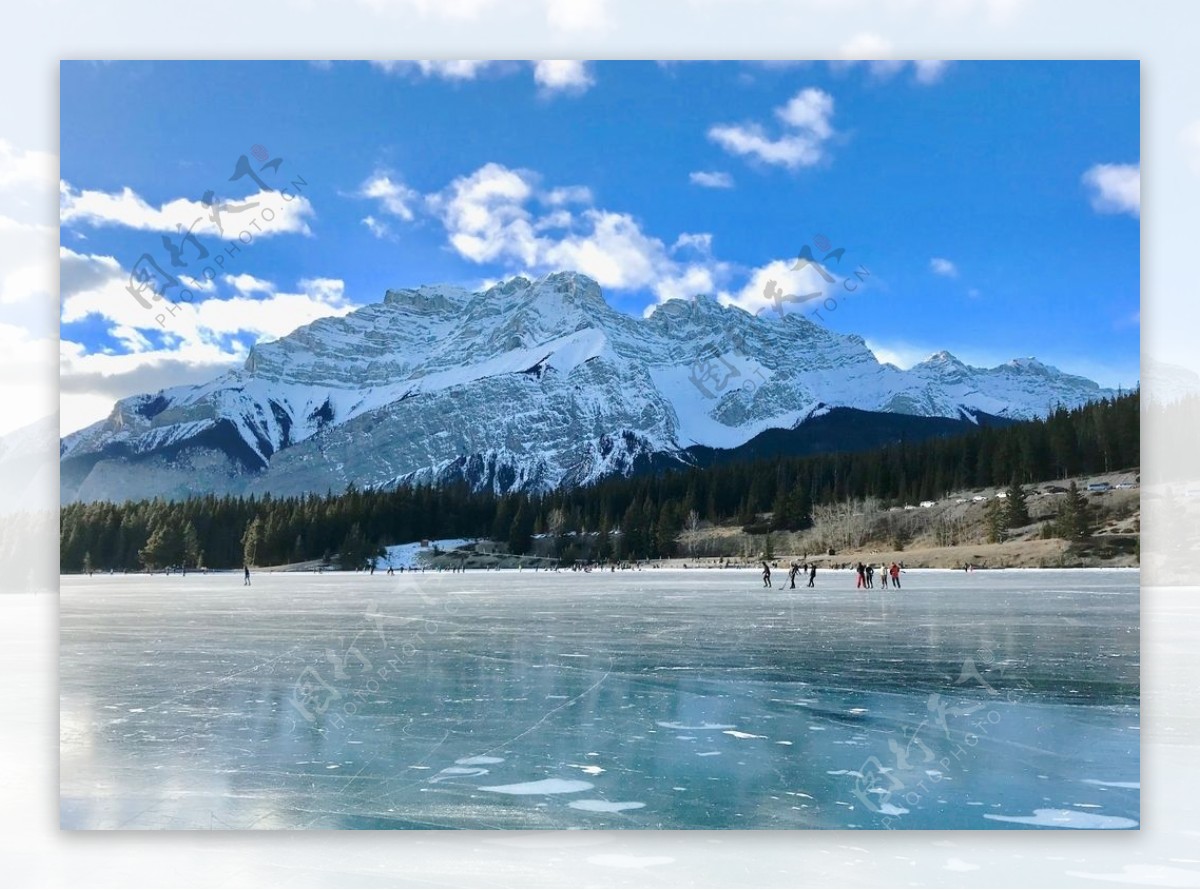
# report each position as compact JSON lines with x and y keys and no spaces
{"x":1054,"y":818}
{"x":1112,"y":784}
{"x":542,"y":786}
{"x":684,"y":726}
{"x":458,"y":772}
{"x":605,"y":806}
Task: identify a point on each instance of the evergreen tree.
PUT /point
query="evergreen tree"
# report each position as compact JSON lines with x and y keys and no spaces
{"x":251,"y":541}
{"x":633,"y":544}
{"x":1016,"y":508}
{"x":520,"y":535}
{"x":191,"y":545}
{"x":1074,"y":519}
{"x":604,"y":548}
{"x":666,"y":531}
{"x":164,"y":546}
{"x":354,"y":551}
{"x":994,"y":520}
{"x":792,"y":510}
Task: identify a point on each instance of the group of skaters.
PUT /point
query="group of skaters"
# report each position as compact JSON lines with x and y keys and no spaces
{"x":795,"y":570}
{"x":865,"y":573}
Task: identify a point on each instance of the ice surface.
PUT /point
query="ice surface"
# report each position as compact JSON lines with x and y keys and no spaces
{"x":995,"y":699}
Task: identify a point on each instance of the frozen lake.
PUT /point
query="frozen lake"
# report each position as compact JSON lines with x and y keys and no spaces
{"x":652,"y":699}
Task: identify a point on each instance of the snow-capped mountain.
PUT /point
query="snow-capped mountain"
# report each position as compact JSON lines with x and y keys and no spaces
{"x":529,"y":384}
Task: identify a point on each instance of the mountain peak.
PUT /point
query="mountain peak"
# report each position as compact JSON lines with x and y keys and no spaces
{"x":1030,"y":364}
{"x":943,"y":357}
{"x":429,"y":298}
{"x":530,"y":383}
{"x":570,"y":288}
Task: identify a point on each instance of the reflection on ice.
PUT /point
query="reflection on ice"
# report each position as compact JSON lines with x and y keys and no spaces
{"x":687,"y":699}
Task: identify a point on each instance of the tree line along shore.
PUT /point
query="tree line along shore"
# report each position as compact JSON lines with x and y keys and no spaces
{"x":1022,"y":488}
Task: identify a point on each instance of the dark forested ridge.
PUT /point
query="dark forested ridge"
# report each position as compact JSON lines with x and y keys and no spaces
{"x":649,"y":510}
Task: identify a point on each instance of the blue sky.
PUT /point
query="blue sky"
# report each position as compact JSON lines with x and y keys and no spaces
{"x":995,"y":205}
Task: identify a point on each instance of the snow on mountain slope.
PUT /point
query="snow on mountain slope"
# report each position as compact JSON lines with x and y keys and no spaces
{"x":529,"y":384}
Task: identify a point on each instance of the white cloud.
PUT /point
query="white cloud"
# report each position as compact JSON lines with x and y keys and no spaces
{"x":686,"y":284}
{"x":873,"y":51}
{"x":806,"y":129}
{"x":577,"y":15}
{"x":26,"y":167}
{"x":930,"y":70}
{"x":485,"y":215}
{"x":562,"y":76}
{"x":446,"y":69}
{"x":570,"y":194}
{"x":127,"y":208}
{"x":711,"y":179}
{"x":376,"y":228}
{"x":248,"y":284}
{"x":28,"y":230}
{"x":944,"y":267}
{"x":697,"y":241}
{"x":1115,"y":188}
{"x":612,"y":249}
{"x":779,"y":287}
{"x":878,"y":55}
{"x":26,"y":258}
{"x":561,"y":15}
{"x":394,"y":197}
{"x":568,"y":76}
{"x":489,"y":216}
{"x":453,"y":69}
{"x":198,"y":340}
{"x":27,"y":390}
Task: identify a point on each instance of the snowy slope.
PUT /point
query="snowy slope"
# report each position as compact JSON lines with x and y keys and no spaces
{"x":529,"y":384}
